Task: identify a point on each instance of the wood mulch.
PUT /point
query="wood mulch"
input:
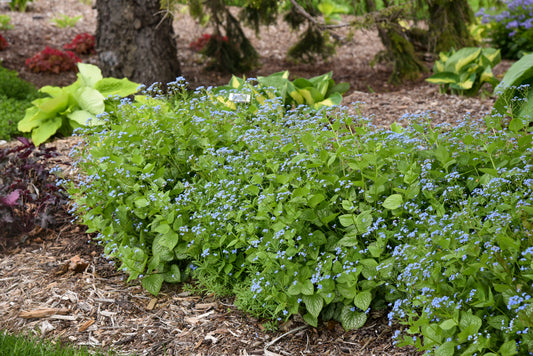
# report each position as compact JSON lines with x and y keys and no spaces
{"x":57,"y":284}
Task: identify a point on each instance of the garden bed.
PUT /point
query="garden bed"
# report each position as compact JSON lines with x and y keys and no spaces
{"x":86,"y":301}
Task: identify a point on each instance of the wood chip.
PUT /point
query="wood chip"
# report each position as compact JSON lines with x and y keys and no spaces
{"x":85,"y":325}
{"x":151,"y":304}
{"x":42,"y":313}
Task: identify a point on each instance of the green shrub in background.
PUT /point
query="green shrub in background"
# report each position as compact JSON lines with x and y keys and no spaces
{"x":464,"y":71}
{"x":14,"y":87}
{"x":314,"y":213}
{"x":15,"y":97}
{"x":11,"y":112}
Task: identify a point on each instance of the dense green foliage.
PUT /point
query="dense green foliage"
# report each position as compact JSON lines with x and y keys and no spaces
{"x":319,"y":213}
{"x":465,"y":71}
{"x":15,"y":97}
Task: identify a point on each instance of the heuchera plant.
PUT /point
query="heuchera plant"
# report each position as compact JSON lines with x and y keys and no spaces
{"x":3,"y":43}
{"x":82,"y":44}
{"x":29,"y":198}
{"x":53,"y":60}
{"x":202,"y":41}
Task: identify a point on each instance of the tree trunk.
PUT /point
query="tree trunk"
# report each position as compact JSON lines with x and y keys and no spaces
{"x":448,"y":24}
{"x":135,"y":40}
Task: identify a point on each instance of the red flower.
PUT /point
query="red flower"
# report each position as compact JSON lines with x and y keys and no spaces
{"x":52,"y":60}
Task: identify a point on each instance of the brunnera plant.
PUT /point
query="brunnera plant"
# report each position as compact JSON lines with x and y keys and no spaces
{"x":52,"y":60}
{"x":318,"y":213}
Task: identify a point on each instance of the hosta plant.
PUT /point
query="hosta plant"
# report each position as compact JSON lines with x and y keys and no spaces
{"x":79,"y":104}
{"x":314,"y":92}
{"x":83,"y":43}
{"x":52,"y":60}
{"x":319,"y":213}
{"x":464,"y":71}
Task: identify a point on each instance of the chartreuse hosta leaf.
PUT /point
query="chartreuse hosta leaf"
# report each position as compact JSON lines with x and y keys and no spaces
{"x":465,"y":71}
{"x":72,"y":106}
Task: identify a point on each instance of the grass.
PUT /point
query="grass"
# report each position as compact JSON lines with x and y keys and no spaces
{"x":25,"y":345}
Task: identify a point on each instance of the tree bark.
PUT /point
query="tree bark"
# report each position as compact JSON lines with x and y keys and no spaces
{"x":134,"y":39}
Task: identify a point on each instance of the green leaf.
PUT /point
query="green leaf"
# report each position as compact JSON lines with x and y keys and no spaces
{"x":89,"y":74}
{"x":153,"y":283}
{"x":90,"y":99}
{"x":393,"y":201}
{"x":45,"y":130}
{"x":113,"y":86}
{"x":508,"y":349}
{"x":443,"y":78}
{"x":80,"y":116}
{"x":347,"y":219}
{"x":448,"y":324}
{"x":352,"y":319}
{"x":363,"y":221}
{"x":310,"y":319}
{"x":173,"y":276}
{"x":315,"y":199}
{"x":350,"y":239}
{"x":313,"y":304}
{"x":446,"y":349}
{"x":306,"y":287}
{"x":29,"y":122}
{"x":516,"y":124}
{"x":169,"y":240}
{"x":141,"y":202}
{"x":363,"y":299}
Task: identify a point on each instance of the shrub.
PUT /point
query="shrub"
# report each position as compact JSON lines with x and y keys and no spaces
{"x":29,"y":197}
{"x":11,"y":112}
{"x":512,"y":29}
{"x":14,"y":87}
{"x":82,"y":44}
{"x":320,"y":214}
{"x":3,"y":43}
{"x":52,"y":60}
{"x":15,"y":97}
